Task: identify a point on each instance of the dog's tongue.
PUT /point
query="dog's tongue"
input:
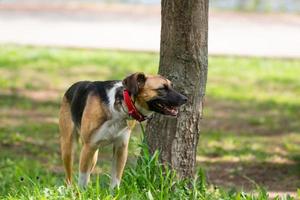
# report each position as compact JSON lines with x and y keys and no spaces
{"x":172,"y":111}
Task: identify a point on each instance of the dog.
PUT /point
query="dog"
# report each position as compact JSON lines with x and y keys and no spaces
{"x":99,"y":112}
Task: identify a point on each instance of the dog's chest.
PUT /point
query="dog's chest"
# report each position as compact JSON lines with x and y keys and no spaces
{"x":111,"y":131}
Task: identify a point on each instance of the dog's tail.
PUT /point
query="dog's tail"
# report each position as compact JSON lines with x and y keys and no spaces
{"x":68,"y":138}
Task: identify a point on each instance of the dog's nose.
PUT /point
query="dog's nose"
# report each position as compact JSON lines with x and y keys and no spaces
{"x":184,"y":99}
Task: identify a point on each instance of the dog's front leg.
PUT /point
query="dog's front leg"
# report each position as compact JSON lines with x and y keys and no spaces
{"x":120,"y":152}
{"x":86,"y":164}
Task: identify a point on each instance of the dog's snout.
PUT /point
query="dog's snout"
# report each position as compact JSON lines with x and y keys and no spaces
{"x":184,"y":99}
{"x":175,"y":98}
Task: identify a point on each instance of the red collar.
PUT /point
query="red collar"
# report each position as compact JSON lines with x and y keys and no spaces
{"x":132,"y":110}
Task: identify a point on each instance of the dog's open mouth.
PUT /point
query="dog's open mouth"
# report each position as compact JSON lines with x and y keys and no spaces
{"x":166,"y":109}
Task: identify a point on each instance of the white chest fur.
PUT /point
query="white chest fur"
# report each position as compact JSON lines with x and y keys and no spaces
{"x":116,"y":128}
{"x":111,"y":131}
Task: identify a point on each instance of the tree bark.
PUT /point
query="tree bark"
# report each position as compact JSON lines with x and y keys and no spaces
{"x":183,"y":60}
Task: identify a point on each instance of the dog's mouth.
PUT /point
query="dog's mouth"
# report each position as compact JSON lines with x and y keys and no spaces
{"x":163,"y":108}
{"x":167,"y":110}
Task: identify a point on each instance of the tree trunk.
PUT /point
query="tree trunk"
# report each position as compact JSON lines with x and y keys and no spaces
{"x":183,"y":60}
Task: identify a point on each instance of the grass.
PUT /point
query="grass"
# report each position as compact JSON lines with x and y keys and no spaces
{"x":147,"y":180}
{"x":250,"y":132}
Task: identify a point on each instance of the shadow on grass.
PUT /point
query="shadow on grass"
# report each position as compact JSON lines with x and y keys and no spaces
{"x":249,"y":141}
{"x":15,"y":100}
{"x":272,"y":176}
{"x":28,"y":128}
{"x":251,"y":117}
{"x":238,"y":152}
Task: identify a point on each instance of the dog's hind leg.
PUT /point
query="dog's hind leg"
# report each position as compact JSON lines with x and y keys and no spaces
{"x":92,"y":118}
{"x":66,"y":127}
{"x":87,"y":162}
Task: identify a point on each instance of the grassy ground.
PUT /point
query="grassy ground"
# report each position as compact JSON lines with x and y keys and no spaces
{"x":250,"y":132}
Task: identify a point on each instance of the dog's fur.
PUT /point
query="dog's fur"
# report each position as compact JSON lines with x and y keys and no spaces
{"x":96,"y":112}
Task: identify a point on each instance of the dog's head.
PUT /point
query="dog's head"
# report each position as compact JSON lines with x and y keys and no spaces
{"x":154,"y":93}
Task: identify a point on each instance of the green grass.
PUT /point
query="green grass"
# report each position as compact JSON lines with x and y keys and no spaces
{"x":250,"y":131}
{"x":147,"y":180}
{"x":47,"y":68}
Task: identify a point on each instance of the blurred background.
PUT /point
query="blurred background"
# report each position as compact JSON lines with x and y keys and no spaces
{"x":250,"y":131}
{"x":237,"y":27}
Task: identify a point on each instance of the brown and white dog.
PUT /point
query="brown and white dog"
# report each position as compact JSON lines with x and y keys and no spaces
{"x":97,"y":113}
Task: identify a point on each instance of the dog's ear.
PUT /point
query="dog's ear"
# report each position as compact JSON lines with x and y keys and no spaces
{"x":134,"y":83}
